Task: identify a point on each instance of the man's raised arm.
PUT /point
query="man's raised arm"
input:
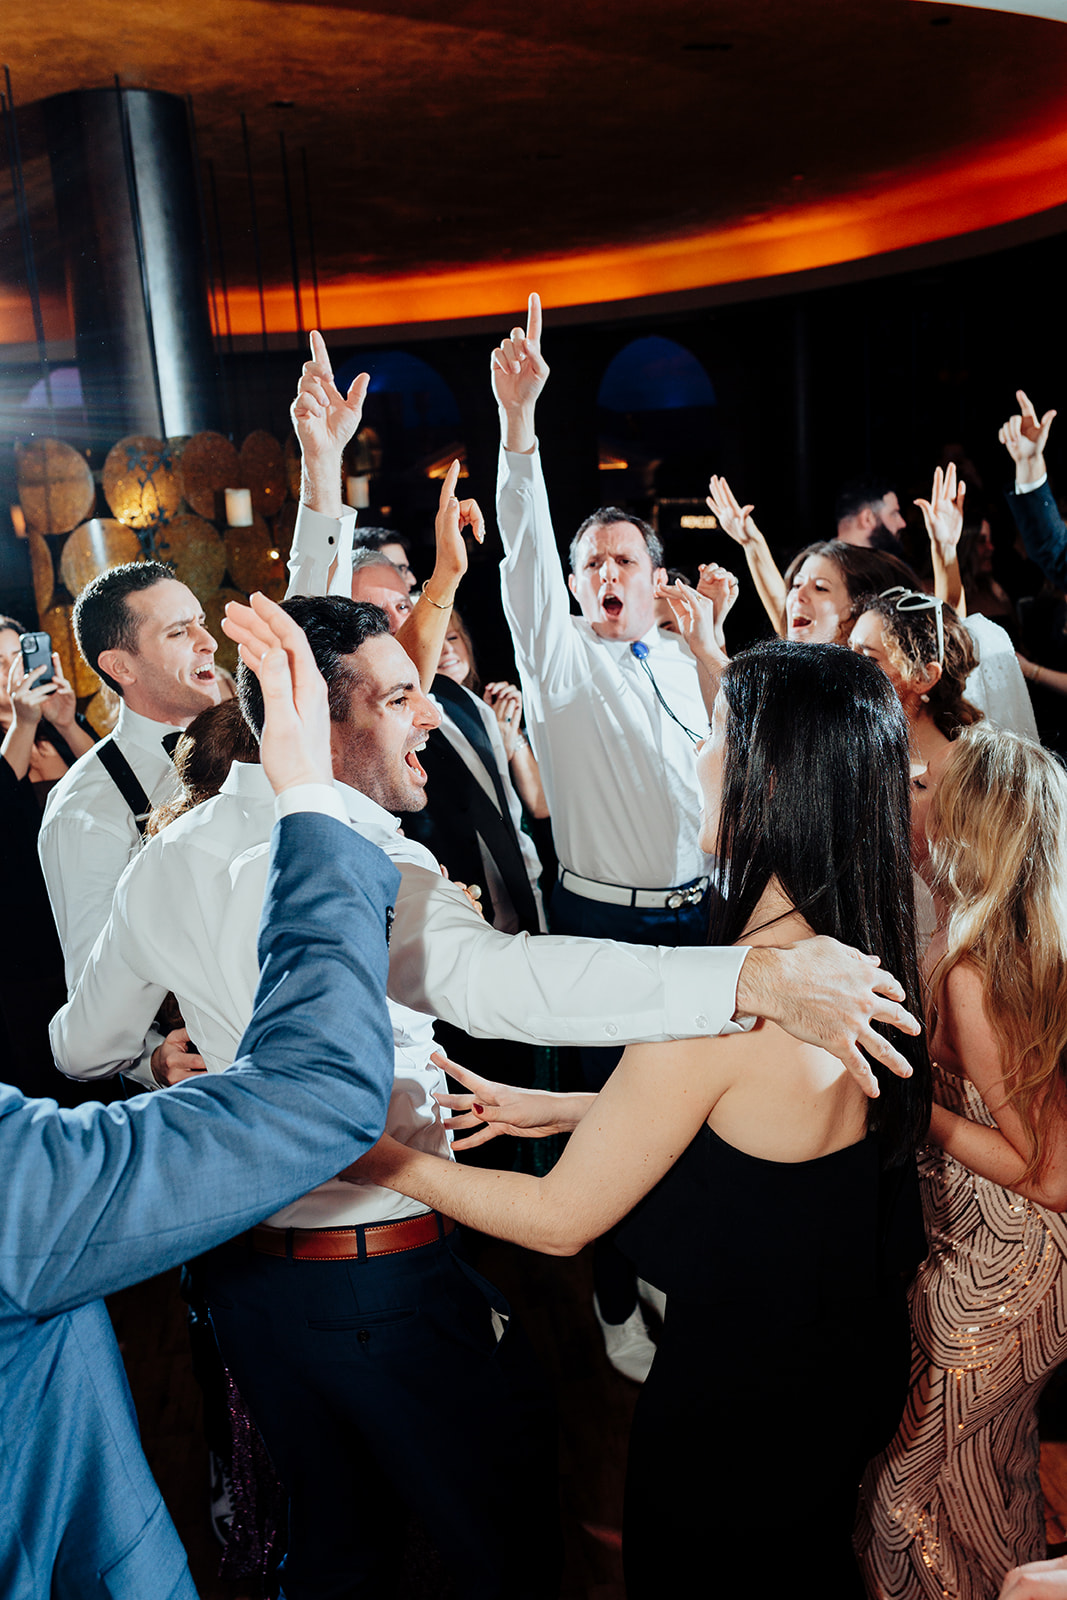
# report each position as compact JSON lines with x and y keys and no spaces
{"x":1032,"y":503}
{"x":423,"y":632}
{"x":325,"y":420}
{"x":533,"y":587}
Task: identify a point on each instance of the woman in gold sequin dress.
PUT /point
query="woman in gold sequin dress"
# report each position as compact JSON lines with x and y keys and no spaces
{"x":955,"y":1500}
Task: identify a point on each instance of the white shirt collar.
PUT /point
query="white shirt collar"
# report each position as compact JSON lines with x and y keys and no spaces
{"x":366,"y":813}
{"x":654,"y":639}
{"x":248,"y":778}
{"x":132,"y":728}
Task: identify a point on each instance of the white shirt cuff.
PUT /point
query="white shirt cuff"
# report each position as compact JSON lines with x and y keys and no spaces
{"x":322,"y":798}
{"x":1028,"y":488}
{"x":701,"y":991}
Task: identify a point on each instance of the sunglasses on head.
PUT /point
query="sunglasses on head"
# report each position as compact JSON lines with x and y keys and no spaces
{"x":903,"y":599}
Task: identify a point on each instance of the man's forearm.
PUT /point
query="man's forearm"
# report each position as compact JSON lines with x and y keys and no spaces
{"x":320,"y":484}
{"x":518,"y":432}
{"x":548,"y":990}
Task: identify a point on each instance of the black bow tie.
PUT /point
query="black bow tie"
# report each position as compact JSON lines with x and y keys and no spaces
{"x":169,"y":742}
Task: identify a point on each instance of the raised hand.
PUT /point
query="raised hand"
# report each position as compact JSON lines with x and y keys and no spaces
{"x":295,"y":745}
{"x":943,"y":512}
{"x":325,"y":420}
{"x":1024,"y":436}
{"x":718,"y":585}
{"x":61,"y":706}
{"x":519,"y":372}
{"x":732,"y":517}
{"x":453,"y":515}
{"x":700,"y":612}
{"x":28,"y":697}
{"x":505,"y":702}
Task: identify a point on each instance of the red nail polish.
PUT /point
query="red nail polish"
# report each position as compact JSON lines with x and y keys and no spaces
{"x":479,"y":1109}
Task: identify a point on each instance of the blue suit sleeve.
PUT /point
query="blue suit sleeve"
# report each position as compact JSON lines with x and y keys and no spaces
{"x":1038,"y":519}
{"x":103,"y":1196}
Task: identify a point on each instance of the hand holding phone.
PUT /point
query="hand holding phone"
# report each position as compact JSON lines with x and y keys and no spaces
{"x":36,"y":652}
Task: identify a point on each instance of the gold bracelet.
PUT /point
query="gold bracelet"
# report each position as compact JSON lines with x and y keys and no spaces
{"x":436,"y":603}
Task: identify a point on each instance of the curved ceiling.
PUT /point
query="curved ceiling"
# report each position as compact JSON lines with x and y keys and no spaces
{"x":597,"y":151}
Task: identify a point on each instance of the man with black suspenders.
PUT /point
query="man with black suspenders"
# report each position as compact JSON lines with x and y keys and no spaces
{"x":144,"y":633}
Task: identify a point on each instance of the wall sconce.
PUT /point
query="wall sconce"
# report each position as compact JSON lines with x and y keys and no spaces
{"x":18,"y":521}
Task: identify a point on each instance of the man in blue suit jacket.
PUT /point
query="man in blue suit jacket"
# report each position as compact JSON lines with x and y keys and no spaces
{"x":98,"y":1198}
{"x":1031,"y":500}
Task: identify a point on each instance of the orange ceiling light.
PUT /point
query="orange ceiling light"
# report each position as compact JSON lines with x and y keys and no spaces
{"x":997,"y":184}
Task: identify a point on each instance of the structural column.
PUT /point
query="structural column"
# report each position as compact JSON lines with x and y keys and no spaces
{"x":126,"y":193}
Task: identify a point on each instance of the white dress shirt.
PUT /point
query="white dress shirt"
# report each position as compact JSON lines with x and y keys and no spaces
{"x":185,"y":918}
{"x":89,"y":834}
{"x":319,"y":541}
{"x":619,"y":775}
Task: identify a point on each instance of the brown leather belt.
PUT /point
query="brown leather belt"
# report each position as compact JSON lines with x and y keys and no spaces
{"x":351,"y":1244}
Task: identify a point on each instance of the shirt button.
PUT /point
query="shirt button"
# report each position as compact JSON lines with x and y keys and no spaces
{"x":701,"y":1022}
{"x":611,"y":1030}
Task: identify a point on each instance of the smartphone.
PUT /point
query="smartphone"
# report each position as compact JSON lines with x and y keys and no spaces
{"x":37,"y":648}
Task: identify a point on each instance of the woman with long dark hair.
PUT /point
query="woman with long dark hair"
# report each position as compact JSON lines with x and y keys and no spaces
{"x":773,"y":1203}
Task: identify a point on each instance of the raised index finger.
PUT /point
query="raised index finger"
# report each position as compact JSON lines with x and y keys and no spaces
{"x":319,"y":352}
{"x":533,"y":319}
{"x":448,"y":487}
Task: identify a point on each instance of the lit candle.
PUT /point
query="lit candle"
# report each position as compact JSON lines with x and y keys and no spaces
{"x":18,"y":521}
{"x":358,"y":491}
{"x":239,"y":508}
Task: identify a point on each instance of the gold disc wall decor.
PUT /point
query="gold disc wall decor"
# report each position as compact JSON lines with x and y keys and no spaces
{"x":196,"y":552}
{"x":56,"y":488}
{"x":56,"y":622}
{"x":254,"y":560}
{"x":209,"y":465}
{"x":96,"y":547}
{"x":263,"y":471}
{"x":141,"y":482}
{"x":44,"y":576}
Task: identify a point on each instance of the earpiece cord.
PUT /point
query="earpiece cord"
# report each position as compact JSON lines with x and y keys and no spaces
{"x":639,"y":657}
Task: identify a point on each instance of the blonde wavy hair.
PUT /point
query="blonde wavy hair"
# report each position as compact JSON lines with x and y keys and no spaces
{"x":998,"y":850}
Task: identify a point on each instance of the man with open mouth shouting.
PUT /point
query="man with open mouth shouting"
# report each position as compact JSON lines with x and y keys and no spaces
{"x":144,"y":633}
{"x":613,"y":707}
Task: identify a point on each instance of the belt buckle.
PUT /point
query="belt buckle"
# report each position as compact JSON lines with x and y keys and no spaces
{"x":676,"y":898}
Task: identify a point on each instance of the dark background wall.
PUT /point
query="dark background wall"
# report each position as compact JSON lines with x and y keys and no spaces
{"x":810,"y":388}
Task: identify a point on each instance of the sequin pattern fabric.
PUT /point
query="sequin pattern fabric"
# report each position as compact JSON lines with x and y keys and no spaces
{"x":956,"y":1499}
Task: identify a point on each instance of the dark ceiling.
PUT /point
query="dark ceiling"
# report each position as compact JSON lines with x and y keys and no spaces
{"x":490,"y":131}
